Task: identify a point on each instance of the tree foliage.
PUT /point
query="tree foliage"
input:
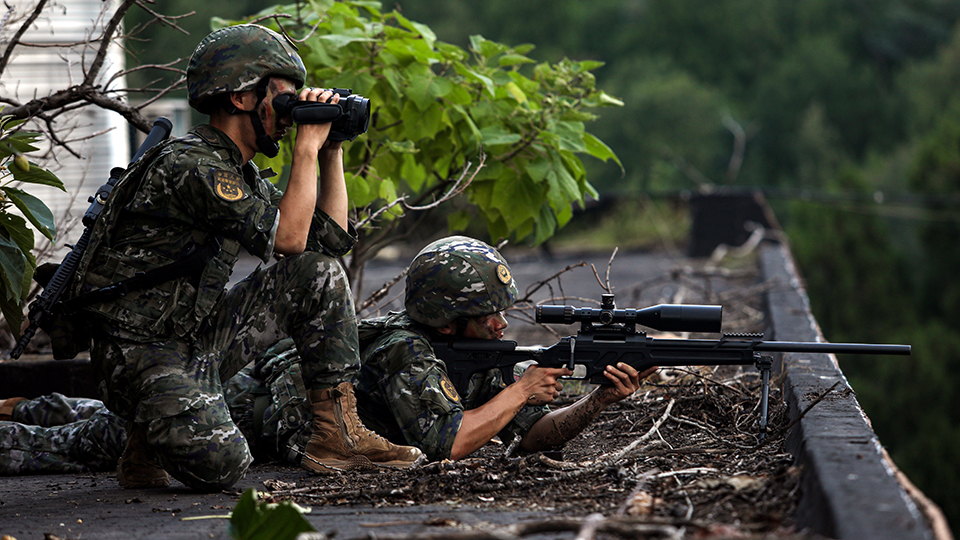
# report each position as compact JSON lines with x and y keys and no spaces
{"x":486,"y":121}
{"x":20,"y":214}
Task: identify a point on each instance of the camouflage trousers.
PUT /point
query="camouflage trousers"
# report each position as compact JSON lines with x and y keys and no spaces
{"x":56,"y":434}
{"x":175,"y":388}
{"x":59,"y":435}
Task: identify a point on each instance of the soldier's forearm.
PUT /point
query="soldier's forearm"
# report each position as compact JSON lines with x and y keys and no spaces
{"x":561,"y":425}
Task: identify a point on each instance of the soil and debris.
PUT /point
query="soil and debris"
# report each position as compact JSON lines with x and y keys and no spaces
{"x":683,"y":454}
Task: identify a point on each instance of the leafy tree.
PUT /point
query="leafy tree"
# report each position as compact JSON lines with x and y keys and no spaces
{"x":439,"y":112}
{"x":937,"y":173}
{"x":845,"y":257}
{"x":19,"y":211}
{"x":674,"y":123}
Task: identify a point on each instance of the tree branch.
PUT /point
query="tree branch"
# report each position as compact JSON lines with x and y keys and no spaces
{"x":16,"y":38}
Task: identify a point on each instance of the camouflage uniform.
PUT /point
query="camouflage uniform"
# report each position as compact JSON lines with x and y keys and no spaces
{"x":56,"y":434}
{"x":400,"y":373}
{"x":450,"y":280}
{"x":162,"y":353}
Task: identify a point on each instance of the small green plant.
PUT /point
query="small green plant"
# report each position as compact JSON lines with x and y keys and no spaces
{"x":253,"y":519}
{"x":17,"y":208}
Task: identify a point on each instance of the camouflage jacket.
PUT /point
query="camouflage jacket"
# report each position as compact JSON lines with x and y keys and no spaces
{"x":405,"y":394}
{"x":179,"y":197}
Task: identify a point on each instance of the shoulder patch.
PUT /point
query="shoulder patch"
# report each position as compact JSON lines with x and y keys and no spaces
{"x":503,"y":273}
{"x":448,"y":389}
{"x":228,"y":185}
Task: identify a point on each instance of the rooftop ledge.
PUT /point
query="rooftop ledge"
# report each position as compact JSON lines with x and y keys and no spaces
{"x":850,"y":488}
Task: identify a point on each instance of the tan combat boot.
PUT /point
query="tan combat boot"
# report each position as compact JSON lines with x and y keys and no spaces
{"x":138,"y":467}
{"x":6,"y":408}
{"x":341,"y":441}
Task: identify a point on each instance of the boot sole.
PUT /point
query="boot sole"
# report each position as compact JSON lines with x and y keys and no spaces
{"x":333,"y":466}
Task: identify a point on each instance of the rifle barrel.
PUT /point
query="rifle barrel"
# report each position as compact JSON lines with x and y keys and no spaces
{"x":848,"y":348}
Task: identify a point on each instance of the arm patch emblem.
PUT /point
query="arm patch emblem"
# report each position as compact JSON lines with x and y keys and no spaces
{"x":228,"y":185}
{"x":448,"y":389}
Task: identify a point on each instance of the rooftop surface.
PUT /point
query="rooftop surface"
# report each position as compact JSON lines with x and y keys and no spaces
{"x":840,"y":483}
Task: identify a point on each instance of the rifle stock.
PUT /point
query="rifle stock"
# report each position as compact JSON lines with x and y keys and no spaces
{"x":616,"y":340}
{"x":46,"y":301}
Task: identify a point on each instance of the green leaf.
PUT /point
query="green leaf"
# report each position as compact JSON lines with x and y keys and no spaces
{"x":388,"y":191}
{"x":517,"y":201}
{"x":546,"y":225}
{"x":253,"y":519}
{"x":508,"y":60}
{"x":413,"y":173}
{"x":34,"y":210}
{"x":538,"y":169}
{"x":474,"y":76}
{"x":17,"y":144}
{"x":359,"y":191}
{"x":342,"y":40}
{"x":13,"y":264}
{"x":423,"y":30}
{"x":470,"y":123}
{"x":589,"y":65}
{"x":17,"y":231}
{"x":8,"y":122}
{"x":514,"y":90}
{"x":561,"y":179}
{"x":570,"y":135}
{"x":494,"y":135}
{"x":13,"y":313}
{"x":598,"y":149}
{"x":37,"y":175}
{"x":458,"y":221}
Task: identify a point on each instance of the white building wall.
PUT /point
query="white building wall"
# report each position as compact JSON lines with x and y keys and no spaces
{"x":99,"y":137}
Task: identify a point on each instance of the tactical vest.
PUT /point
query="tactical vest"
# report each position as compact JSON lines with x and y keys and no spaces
{"x":171,"y":309}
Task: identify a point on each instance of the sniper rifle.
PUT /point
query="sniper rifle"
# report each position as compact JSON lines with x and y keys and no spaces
{"x":608,"y":335}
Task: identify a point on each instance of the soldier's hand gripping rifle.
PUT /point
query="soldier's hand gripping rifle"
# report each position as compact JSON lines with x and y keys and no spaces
{"x":608,"y":335}
{"x":46,"y":302}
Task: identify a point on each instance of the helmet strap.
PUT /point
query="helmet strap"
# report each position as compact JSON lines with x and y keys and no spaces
{"x":461,"y":327}
{"x":265,"y":144}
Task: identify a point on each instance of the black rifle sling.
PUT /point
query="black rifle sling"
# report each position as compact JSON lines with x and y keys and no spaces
{"x":192,"y":263}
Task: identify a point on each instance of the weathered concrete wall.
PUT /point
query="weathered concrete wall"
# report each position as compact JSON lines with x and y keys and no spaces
{"x":848,"y":488}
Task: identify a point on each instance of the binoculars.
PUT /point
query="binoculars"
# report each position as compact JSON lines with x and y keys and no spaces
{"x":350,"y":117}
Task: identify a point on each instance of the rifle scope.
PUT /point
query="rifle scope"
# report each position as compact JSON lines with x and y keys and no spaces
{"x":664,"y":317}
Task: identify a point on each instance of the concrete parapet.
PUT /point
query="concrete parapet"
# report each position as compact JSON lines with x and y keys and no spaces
{"x":849,"y":486}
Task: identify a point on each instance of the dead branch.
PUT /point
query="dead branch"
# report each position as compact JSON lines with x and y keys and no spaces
{"x":378,"y":295}
{"x":15,"y":40}
{"x":806,"y":410}
{"x":544,"y":282}
{"x":88,"y":91}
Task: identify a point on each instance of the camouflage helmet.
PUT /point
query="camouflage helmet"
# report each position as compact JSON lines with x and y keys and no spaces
{"x":457,"y":277}
{"x":235,"y":59}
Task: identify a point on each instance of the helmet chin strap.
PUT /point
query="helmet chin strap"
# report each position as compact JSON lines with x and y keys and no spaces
{"x":462,"y":327}
{"x":265,"y":144}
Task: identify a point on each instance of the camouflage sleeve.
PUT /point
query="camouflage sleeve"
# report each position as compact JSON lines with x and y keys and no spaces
{"x":421,"y":397}
{"x":484,"y":386}
{"x":327,"y":236}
